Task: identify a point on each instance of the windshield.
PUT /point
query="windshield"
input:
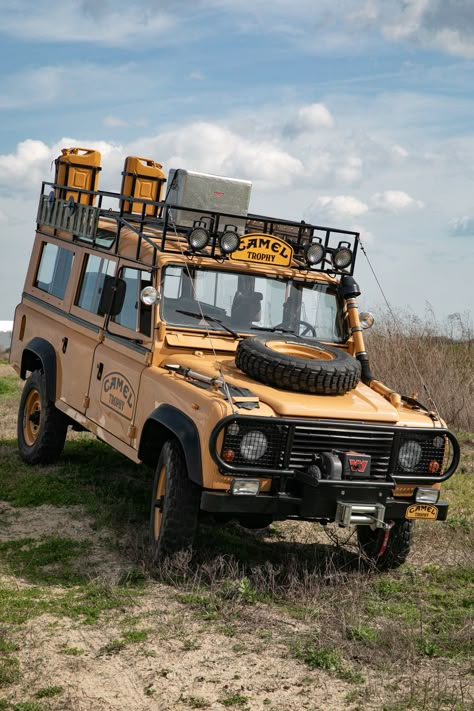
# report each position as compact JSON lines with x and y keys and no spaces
{"x":249,"y":303}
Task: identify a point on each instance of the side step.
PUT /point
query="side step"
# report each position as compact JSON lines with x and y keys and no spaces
{"x":360,"y":514}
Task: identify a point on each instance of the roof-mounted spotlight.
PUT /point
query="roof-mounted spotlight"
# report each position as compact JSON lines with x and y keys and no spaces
{"x":229,"y":241}
{"x":314,"y":254}
{"x":342,"y":256}
{"x":199,"y":237}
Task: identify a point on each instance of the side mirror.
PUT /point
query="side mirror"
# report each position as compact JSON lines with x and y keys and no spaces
{"x":112,"y":297}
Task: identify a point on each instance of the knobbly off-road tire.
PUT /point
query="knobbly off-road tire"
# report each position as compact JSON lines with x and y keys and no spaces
{"x":398,"y":545}
{"x":41,"y":427}
{"x":334,"y":373}
{"x":173,"y":525}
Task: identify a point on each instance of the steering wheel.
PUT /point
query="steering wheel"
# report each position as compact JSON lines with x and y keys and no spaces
{"x":308,"y":328}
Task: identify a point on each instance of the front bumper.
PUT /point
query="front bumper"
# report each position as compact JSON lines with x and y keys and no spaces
{"x":321,"y":506}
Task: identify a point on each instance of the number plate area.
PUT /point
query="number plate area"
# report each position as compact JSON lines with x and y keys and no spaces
{"x":422,"y":511}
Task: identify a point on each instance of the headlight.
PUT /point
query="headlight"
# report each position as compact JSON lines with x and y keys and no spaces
{"x":409,"y":455}
{"x":253,"y":446}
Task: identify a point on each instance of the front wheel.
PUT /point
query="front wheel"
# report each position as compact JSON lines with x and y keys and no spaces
{"x":386,"y":552}
{"x":41,"y":426}
{"x":175,"y":504}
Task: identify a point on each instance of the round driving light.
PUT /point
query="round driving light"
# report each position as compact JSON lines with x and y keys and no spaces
{"x":253,"y":446}
{"x":149,"y":295}
{"x":229,"y":242}
{"x":198,"y":239}
{"x":366,"y":319}
{"x":314,"y":253}
{"x":438,"y":442}
{"x":409,"y":455}
{"x":233,"y":429}
{"x":342,"y":258}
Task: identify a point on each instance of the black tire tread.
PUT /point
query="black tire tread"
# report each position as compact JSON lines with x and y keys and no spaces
{"x":181,"y":504}
{"x":398,"y":545}
{"x":298,"y":374}
{"x":53,"y":426}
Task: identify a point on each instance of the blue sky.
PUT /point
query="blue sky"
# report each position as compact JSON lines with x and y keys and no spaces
{"x":356,"y":115}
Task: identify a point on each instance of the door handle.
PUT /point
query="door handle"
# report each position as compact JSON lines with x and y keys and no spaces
{"x":65,"y":342}
{"x":100,"y":370}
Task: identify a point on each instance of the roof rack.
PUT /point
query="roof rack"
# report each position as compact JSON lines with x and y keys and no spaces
{"x":86,"y":223}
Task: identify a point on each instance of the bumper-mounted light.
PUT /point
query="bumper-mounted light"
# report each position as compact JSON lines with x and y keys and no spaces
{"x":245,"y":487}
{"x":426,"y":496}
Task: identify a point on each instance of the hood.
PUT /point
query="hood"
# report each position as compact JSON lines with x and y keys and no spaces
{"x":362,"y":403}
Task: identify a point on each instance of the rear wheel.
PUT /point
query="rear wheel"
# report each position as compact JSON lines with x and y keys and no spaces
{"x":41,"y":427}
{"x":386,"y":552}
{"x":175,"y":504}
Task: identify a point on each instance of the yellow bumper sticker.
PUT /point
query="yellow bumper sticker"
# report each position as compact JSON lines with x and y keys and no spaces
{"x":263,"y":249}
{"x":425,"y":511}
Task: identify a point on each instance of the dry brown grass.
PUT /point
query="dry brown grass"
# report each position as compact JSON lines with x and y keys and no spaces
{"x":441,"y":352}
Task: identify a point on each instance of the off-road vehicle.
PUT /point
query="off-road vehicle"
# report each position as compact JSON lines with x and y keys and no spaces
{"x":225,"y":350}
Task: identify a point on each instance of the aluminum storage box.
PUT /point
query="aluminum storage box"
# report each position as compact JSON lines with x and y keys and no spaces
{"x":207,"y":192}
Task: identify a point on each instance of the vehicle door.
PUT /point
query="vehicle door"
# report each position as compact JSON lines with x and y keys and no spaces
{"x":121,"y":358}
{"x":85,"y":326}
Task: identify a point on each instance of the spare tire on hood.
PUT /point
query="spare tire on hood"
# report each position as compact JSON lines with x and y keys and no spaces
{"x":298,"y":364}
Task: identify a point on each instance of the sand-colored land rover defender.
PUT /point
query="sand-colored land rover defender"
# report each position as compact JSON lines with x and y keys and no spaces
{"x":225,"y":350}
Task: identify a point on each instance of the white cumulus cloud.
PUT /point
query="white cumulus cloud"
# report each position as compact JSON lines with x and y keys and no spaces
{"x":337,"y":207}
{"x":313,"y":117}
{"x":394,"y":201}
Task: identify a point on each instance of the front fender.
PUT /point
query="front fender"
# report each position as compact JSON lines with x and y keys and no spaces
{"x":171,"y":421}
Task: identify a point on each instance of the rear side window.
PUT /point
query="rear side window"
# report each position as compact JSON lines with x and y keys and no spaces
{"x":92,"y":282}
{"x":54,"y":270}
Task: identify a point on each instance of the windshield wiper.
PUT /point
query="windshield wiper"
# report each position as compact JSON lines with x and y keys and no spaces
{"x":273,"y":329}
{"x":212,"y":319}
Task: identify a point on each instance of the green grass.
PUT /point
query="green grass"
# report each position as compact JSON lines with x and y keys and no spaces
{"x":111,"y":488}
{"x":9,"y":670}
{"x":316,"y":656}
{"x":86,"y":603}
{"x":234,"y":700}
{"x":9,"y":385}
{"x":432,"y":605}
{"x":129,"y":637}
{"x":48,"y":692}
{"x":48,"y":559}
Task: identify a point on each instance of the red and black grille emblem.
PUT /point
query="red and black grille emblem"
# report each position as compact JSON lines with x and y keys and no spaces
{"x":355,"y":464}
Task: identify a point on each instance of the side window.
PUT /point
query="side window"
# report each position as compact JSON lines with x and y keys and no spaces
{"x":134,"y":314}
{"x":54,"y":270}
{"x":92,"y":282}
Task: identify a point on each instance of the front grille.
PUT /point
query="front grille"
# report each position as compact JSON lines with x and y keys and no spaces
{"x":399,"y":452}
{"x":310,"y":439}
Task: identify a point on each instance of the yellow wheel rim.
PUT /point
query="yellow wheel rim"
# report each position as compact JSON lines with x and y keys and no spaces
{"x":159,"y":496}
{"x":300,"y":350}
{"x":32,"y":417}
